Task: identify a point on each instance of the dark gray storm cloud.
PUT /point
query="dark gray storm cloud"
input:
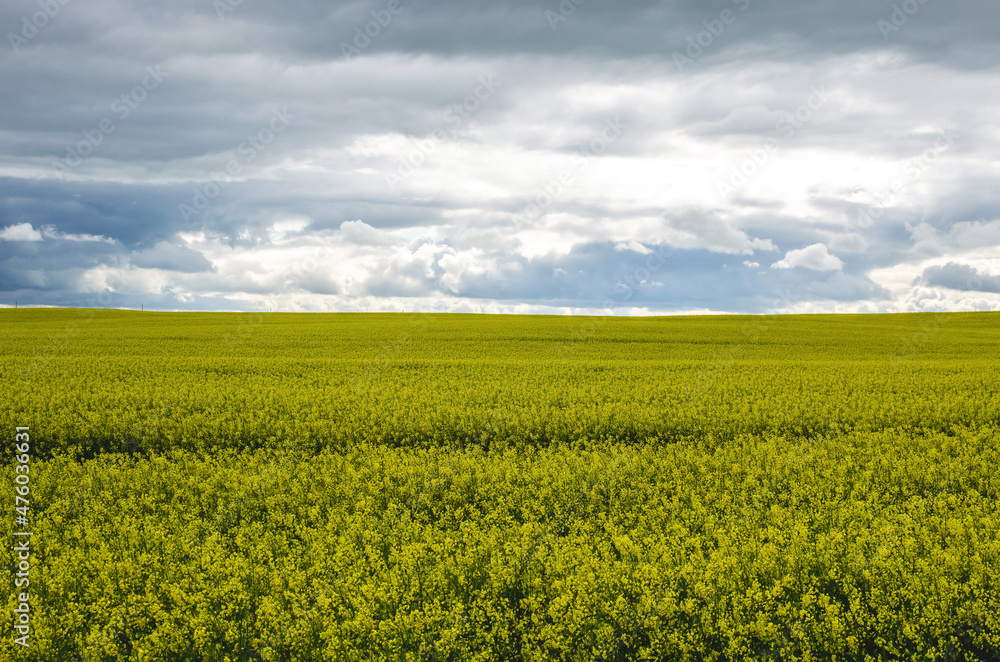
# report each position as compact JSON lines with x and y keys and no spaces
{"x":517,"y":156}
{"x":960,"y":277}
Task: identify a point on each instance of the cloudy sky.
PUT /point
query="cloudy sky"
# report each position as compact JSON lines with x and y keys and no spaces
{"x":582,"y":157}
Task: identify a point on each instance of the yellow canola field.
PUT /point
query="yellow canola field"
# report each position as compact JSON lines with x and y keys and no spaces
{"x":452,"y":487}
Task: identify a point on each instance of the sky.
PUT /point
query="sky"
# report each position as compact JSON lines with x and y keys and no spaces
{"x":573,"y":157}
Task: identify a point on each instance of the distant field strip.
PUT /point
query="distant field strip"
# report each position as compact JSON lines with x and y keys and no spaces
{"x":157,"y":381}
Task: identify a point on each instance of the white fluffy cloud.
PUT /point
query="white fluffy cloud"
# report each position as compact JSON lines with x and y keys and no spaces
{"x":815,"y":257}
{"x":633,"y":246}
{"x":20,"y":232}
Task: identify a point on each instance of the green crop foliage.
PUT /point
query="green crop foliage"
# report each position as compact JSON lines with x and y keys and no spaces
{"x":458,"y":487}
